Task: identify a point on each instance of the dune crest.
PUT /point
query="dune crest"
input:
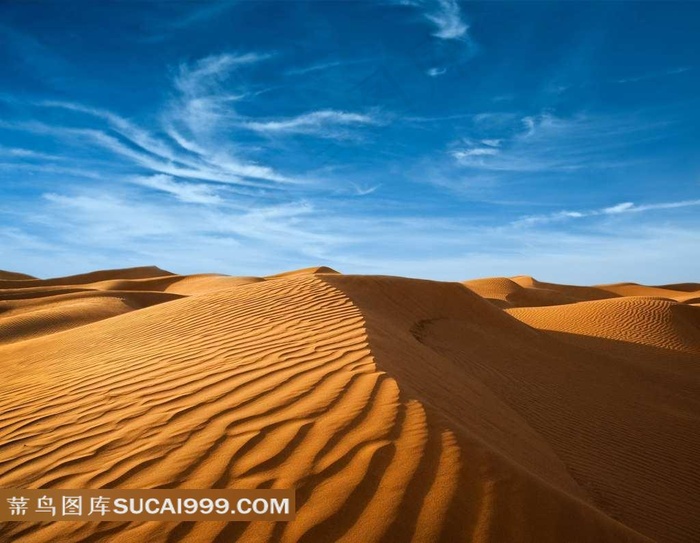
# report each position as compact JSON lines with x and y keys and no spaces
{"x":399,"y":409}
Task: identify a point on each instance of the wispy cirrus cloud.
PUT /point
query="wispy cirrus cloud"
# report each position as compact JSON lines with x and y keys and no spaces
{"x":196,"y":135}
{"x":446,"y":16}
{"x":323,"y":123}
{"x":436,"y":72}
{"x":322,"y":66}
{"x":204,"y":114}
{"x":202,"y":13}
{"x":206,"y":94}
{"x":165,"y":25}
{"x":480,"y":149}
{"x":205,"y":74}
{"x":454,"y":43}
{"x":133,"y":133}
{"x":618,"y":209}
{"x":194,"y":150}
{"x":654,"y":75}
{"x":195,"y":193}
{"x":20,"y":153}
{"x":364,"y":190}
{"x":546,"y":142}
{"x":166,"y":162}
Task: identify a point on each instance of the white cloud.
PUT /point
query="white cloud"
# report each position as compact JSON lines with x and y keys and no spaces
{"x":185,"y":192}
{"x":323,"y":123}
{"x":20,"y":153}
{"x":54,"y":170}
{"x":131,"y":132}
{"x":164,"y":27}
{"x":447,"y":18}
{"x":479,"y":151}
{"x":435,"y":72}
{"x":654,"y":75}
{"x":364,"y":191}
{"x":546,"y":142}
{"x":315,"y":68}
{"x":200,"y":77}
{"x":670,"y":205}
{"x":325,"y":66}
{"x":202,"y":172}
{"x":619,"y":208}
{"x":448,"y":26}
{"x":625,"y":207}
{"x":201,"y":14}
{"x":529,"y":123}
{"x":206,"y":97}
{"x":492,"y":142}
{"x":153,"y":153}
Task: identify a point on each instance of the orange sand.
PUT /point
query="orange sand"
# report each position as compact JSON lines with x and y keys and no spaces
{"x":497,"y":410}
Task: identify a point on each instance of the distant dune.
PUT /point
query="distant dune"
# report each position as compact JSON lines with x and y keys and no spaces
{"x":493,"y":410}
{"x":14,"y":275}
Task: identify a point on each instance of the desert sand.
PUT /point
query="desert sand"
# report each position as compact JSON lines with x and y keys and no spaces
{"x":493,"y":410}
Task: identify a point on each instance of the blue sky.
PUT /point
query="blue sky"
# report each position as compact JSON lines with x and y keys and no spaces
{"x":433,"y":139}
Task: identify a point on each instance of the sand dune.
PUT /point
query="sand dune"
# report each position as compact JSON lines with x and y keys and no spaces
{"x":399,"y":409}
{"x":21,"y":319}
{"x":11,"y":276}
{"x":525,"y":291}
{"x":86,"y":278}
{"x":656,"y":322}
{"x":505,"y":293}
{"x":679,"y":293}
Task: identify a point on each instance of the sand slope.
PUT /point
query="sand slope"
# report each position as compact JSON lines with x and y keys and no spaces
{"x":399,"y":409}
